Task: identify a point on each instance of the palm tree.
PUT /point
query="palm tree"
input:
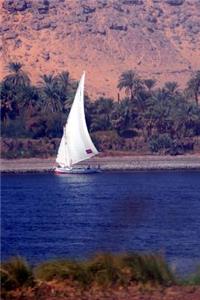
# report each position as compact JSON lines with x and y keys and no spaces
{"x":103,"y":105}
{"x":8,"y":110}
{"x":193,"y":86}
{"x":131,"y":82}
{"x":30,"y":98}
{"x":50,"y":94}
{"x":101,"y":112}
{"x":5,"y":110}
{"x":63,"y":80}
{"x":121,"y":115}
{"x":150,"y":83}
{"x":189,"y":119}
{"x":12,"y":91}
{"x":16,"y":77}
{"x":157,"y":113}
{"x":47,"y":79}
{"x":171,"y":87}
{"x":63,"y":84}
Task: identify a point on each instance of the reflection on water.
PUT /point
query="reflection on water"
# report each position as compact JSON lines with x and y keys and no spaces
{"x":130,"y":209}
{"x":47,"y":216}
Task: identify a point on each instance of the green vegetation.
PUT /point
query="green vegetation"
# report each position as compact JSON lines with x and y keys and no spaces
{"x":162,"y":120}
{"x":102,"y":269}
{"x":16,"y":273}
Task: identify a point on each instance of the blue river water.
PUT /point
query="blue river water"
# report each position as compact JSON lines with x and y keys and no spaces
{"x":46,"y":216}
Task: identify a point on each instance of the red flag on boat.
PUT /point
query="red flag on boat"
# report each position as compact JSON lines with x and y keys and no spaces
{"x":88,"y":151}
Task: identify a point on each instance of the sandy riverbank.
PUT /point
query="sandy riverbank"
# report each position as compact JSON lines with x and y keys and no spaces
{"x":107,"y":163}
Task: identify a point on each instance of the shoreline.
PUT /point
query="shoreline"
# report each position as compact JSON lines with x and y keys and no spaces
{"x":107,"y":163}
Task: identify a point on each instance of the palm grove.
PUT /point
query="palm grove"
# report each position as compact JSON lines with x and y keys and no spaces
{"x":148,"y":118}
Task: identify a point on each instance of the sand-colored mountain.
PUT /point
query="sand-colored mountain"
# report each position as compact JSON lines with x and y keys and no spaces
{"x":158,"y":38}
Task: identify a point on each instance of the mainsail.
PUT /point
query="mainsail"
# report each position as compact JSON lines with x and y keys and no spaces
{"x":76,"y":144}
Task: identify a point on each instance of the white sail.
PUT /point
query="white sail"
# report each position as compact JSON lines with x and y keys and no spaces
{"x":76,"y":144}
{"x":63,"y":157}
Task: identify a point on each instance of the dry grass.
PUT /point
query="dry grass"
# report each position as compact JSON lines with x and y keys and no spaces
{"x":107,"y":269}
{"x":16,"y":273}
{"x":104,"y":276}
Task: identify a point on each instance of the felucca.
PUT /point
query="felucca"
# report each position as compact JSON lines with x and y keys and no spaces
{"x":76,"y":144}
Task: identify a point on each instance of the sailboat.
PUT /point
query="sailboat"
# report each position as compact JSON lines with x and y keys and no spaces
{"x":76,"y":144}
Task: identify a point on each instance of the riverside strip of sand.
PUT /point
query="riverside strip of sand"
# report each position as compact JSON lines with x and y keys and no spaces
{"x":148,"y":162}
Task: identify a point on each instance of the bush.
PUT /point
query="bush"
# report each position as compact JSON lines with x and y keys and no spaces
{"x":108,"y":140}
{"x":107,"y":269}
{"x":16,"y":273}
{"x":176,"y":148}
{"x":63,"y":269}
{"x":160,"y":142}
{"x":53,"y":269}
{"x":149,"y":267}
{"x":14,"y":128}
{"x":25,"y":148}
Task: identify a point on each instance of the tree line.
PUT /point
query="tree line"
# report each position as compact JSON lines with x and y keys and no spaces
{"x":167,"y":118}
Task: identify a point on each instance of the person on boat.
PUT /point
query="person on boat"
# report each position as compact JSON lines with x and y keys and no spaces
{"x":88,"y":167}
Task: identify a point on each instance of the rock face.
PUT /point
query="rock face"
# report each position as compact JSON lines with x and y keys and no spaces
{"x":14,"y":5}
{"x":118,"y":27}
{"x":130,"y":2}
{"x":175,"y":2}
{"x":157,"y":38}
{"x":88,"y":9}
{"x":43,"y":6}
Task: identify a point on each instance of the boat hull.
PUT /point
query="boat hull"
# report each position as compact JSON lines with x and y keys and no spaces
{"x":60,"y":171}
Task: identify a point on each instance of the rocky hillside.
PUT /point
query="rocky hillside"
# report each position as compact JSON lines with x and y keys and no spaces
{"x":158,"y":38}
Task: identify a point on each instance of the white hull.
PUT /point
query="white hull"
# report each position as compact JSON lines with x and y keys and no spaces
{"x":61,"y":170}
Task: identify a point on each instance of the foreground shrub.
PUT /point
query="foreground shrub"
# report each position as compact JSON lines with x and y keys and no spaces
{"x":16,"y":273}
{"x":107,"y":269}
{"x":148,"y":267}
{"x":59,"y":269}
{"x":63,"y":269}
